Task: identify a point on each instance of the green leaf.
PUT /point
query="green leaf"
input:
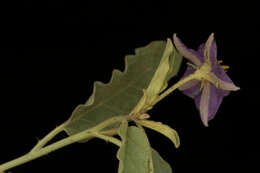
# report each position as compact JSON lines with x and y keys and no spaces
{"x":160,"y":165}
{"x":168,"y":67}
{"x":175,"y":63}
{"x":163,"y":129}
{"x":158,"y":80}
{"x":135,"y":154}
{"x":125,"y":89}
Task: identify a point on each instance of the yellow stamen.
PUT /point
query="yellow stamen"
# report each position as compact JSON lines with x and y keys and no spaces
{"x":225,"y":67}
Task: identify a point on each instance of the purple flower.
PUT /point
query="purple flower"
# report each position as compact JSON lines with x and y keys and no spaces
{"x":209,"y":82}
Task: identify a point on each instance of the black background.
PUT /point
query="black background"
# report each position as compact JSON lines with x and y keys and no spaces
{"x":55,"y":50}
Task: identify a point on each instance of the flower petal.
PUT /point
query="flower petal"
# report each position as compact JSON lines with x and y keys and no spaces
{"x":213,"y":54}
{"x":189,"y":70}
{"x":189,"y":84}
{"x":227,"y":86}
{"x":201,"y":51}
{"x":215,"y":99}
{"x":193,"y":91}
{"x":187,"y":53}
{"x":220,"y":73}
{"x":210,"y":51}
{"x":204,"y":104}
{"x":190,"y":90}
{"x":224,"y":85}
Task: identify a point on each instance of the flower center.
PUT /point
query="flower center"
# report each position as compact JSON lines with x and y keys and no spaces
{"x":204,"y":75}
{"x":202,"y":72}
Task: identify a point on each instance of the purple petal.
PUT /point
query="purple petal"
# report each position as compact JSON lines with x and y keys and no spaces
{"x":225,"y":86}
{"x":193,"y":90}
{"x":225,"y":83}
{"x":213,"y":54}
{"x":212,"y":48}
{"x":220,"y":73}
{"x":201,"y":51}
{"x":189,"y":84}
{"x":189,"y":70}
{"x":215,"y":99}
{"x":186,"y":52}
{"x":210,"y":52}
{"x":205,"y":103}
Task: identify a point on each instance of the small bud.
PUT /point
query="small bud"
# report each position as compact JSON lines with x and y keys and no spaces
{"x":143,"y":116}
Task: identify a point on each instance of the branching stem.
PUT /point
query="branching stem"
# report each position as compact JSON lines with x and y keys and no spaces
{"x":38,"y":151}
{"x":48,"y":137}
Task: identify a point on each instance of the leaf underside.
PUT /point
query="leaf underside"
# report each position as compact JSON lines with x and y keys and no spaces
{"x":136,"y":156}
{"x":159,"y":164}
{"x":125,"y":89}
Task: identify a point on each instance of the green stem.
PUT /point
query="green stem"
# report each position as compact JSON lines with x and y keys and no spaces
{"x":33,"y":155}
{"x":108,"y":138}
{"x":110,"y":132}
{"x":48,"y":137}
{"x":175,"y":86}
{"x":62,"y":143}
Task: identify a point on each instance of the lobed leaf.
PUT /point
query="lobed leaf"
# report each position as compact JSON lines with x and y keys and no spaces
{"x":123,"y":93}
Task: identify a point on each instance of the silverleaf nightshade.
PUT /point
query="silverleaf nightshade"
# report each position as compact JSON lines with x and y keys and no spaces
{"x":209,"y":83}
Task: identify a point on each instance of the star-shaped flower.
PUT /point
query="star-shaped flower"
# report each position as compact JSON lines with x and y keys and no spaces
{"x":210,"y":82}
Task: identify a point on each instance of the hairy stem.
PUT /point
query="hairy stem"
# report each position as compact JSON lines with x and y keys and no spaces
{"x":62,"y":143}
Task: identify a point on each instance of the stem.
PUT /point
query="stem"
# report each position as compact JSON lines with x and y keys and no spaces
{"x":192,"y":66}
{"x":33,"y":155}
{"x":62,"y":143}
{"x":175,"y":86}
{"x":108,"y":138}
{"x":110,"y":132}
{"x":48,"y":137}
{"x":108,"y":123}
